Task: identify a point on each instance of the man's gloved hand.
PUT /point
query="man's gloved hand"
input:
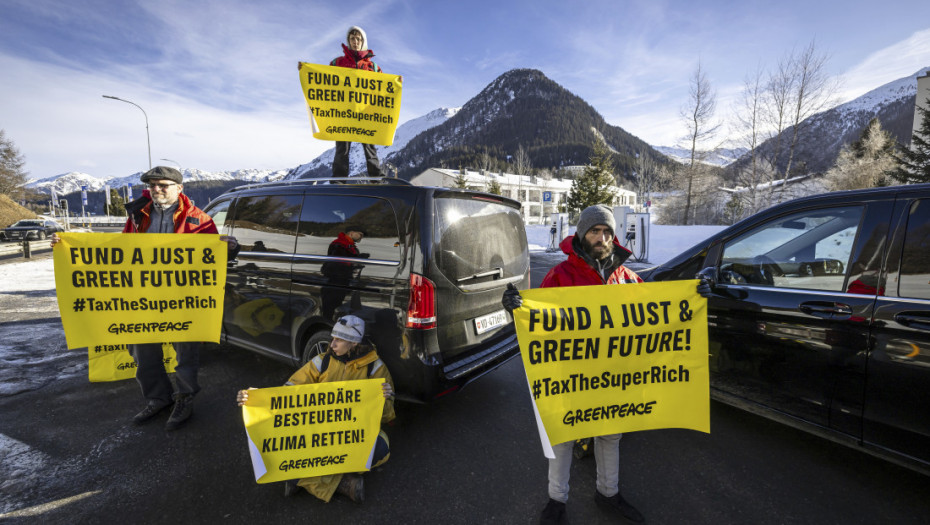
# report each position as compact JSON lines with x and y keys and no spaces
{"x":512,"y":299}
{"x":364,"y":255}
{"x":708,"y":279}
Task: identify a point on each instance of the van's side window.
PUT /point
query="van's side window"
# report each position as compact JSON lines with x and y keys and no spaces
{"x":810,"y":249}
{"x":324,"y":217}
{"x":219,"y":213}
{"x":915,"y":259}
{"x":267,"y":223}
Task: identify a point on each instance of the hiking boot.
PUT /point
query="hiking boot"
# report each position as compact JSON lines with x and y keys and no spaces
{"x":583,"y":447}
{"x":183,"y":408}
{"x":616,"y":503}
{"x":151,"y":410}
{"x":553,"y":514}
{"x":352,"y":486}
{"x":290,"y":488}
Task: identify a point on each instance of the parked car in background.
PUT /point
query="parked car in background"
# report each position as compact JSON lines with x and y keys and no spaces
{"x":30,"y":229}
{"x":428,"y":279}
{"x":821,"y":316}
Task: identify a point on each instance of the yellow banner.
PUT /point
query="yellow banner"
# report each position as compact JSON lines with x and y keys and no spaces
{"x":618,"y":358}
{"x":312,"y":430}
{"x":114,"y":363}
{"x":139,"y":288}
{"x":351,"y":105}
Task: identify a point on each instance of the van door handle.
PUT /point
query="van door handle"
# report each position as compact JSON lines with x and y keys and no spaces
{"x":826,"y":310}
{"x":910,"y":320}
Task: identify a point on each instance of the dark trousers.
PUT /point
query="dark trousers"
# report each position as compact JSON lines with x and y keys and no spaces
{"x":151,"y":375}
{"x":341,"y":160}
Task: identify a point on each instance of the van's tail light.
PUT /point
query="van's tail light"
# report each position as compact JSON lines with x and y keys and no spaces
{"x":421,"y":310}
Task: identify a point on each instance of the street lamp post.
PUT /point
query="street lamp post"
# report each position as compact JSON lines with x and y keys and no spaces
{"x":147,"y":139}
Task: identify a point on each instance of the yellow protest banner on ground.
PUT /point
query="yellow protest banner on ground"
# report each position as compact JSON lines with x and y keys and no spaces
{"x":305,"y":431}
{"x":351,"y":105}
{"x":114,"y":363}
{"x":620,"y":358}
{"x":153,"y":288}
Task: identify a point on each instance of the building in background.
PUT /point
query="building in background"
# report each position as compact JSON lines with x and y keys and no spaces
{"x":923,"y":93}
{"x":539,"y":196}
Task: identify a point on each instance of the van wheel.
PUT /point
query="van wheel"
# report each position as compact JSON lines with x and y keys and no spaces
{"x":41,"y":236}
{"x":318,"y":344}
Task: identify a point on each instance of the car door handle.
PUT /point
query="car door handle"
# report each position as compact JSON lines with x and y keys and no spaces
{"x":919,"y":321}
{"x":825,"y":309}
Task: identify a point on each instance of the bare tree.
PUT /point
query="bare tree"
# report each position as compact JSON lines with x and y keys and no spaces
{"x":521,"y":165}
{"x":812,"y":92}
{"x":698,"y":116}
{"x":750,"y":124}
{"x":864,"y":163}
{"x":12,"y":164}
{"x":484,"y":161}
{"x":648,"y":177}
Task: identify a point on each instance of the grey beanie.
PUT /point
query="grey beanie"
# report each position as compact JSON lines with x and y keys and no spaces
{"x":162,"y":173}
{"x":594,"y":215}
{"x":349,"y":328}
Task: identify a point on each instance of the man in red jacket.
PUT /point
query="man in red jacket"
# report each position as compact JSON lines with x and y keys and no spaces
{"x":163,"y":208}
{"x":594,"y":257}
{"x":356,"y":55}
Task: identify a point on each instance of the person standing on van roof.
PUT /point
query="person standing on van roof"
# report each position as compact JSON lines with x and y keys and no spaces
{"x":163,"y":208}
{"x":347,"y":359}
{"x":356,"y":55}
{"x":595,"y":256}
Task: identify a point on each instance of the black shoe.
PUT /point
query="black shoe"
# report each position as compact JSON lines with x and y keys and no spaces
{"x":151,"y":410}
{"x":583,"y":447}
{"x":352,"y":486}
{"x":183,"y":408}
{"x":554,"y":513}
{"x":290,"y":488}
{"x":618,"y":504}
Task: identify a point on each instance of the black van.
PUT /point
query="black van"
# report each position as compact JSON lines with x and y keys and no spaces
{"x":427,"y":279}
{"x":820,"y":316}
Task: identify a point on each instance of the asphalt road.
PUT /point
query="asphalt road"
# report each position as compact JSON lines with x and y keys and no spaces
{"x":72,"y":456}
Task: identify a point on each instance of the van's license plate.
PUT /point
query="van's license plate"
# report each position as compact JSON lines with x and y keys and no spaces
{"x":490,"y":321}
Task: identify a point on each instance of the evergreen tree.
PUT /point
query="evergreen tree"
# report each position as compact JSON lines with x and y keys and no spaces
{"x":593,"y":185}
{"x":117,"y":206}
{"x":914,"y":162}
{"x":864,"y":163}
{"x":494,"y":187}
{"x":12,"y":174}
{"x":461,"y":181}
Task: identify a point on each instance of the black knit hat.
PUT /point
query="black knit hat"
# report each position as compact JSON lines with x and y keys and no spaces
{"x":162,"y":173}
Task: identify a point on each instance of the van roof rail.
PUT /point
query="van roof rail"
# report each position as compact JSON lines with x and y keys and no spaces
{"x":326,"y":180}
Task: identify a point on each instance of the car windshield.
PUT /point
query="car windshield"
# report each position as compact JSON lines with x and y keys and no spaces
{"x":479,"y":240}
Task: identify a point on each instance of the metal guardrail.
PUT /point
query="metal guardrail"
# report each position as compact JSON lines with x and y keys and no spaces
{"x":23,"y":249}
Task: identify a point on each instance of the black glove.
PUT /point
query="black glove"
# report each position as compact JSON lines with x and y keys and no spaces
{"x":364,"y":255}
{"x":708,"y":279}
{"x":512,"y":299}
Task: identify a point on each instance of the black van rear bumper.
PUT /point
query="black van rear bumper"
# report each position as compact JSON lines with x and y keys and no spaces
{"x":482,"y":362}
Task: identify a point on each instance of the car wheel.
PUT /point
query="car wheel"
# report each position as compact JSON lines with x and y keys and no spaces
{"x":41,"y":236}
{"x":318,"y":344}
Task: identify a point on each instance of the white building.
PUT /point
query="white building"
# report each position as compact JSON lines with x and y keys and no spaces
{"x":538,"y":196}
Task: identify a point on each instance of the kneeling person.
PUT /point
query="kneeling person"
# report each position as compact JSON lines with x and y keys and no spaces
{"x":347,"y":359}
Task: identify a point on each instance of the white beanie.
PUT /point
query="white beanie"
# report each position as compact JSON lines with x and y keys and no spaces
{"x":594,"y":215}
{"x":349,"y":328}
{"x":364,"y":36}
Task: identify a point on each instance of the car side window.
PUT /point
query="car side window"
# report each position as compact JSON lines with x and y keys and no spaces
{"x":325,"y":217}
{"x":266,"y":223}
{"x":220,"y":212}
{"x":808,"y":250}
{"x":915,"y":258}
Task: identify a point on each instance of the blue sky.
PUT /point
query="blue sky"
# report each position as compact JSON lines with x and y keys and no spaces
{"x":218,"y":79}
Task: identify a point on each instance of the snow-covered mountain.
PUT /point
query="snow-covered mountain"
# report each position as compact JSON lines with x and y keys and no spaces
{"x":823,"y":135}
{"x":71,"y":182}
{"x":718,"y":157}
{"x":405,"y":132}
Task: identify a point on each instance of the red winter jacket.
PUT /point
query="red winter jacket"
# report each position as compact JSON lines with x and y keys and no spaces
{"x":187,"y":218}
{"x":579,"y":270}
{"x":356,"y":59}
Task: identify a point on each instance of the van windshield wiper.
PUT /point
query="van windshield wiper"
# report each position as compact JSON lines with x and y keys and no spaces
{"x":496,"y":272}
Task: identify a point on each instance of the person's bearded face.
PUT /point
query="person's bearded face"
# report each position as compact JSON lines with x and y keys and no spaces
{"x":598,"y":243}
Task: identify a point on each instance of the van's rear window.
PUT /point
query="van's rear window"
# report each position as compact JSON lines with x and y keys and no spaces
{"x":476,"y":238}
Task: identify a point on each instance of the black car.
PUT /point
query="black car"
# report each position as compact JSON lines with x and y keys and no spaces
{"x":428,"y":277}
{"x":30,"y":229}
{"x":821,"y":316}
